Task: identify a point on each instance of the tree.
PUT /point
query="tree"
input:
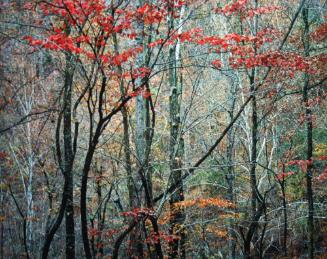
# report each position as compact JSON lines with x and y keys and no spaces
{"x":162,"y":128}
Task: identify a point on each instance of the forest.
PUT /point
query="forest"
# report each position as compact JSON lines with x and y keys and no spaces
{"x":163,"y":129}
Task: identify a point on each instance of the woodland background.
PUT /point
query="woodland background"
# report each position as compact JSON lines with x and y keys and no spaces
{"x":163,"y":129}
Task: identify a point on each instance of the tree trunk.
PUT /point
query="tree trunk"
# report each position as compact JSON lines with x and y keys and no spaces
{"x":66,"y":207}
{"x":285,"y":219}
{"x":127,"y":153}
{"x":100,"y":221}
{"x":140,"y":143}
{"x":309,"y":137}
{"x":86,"y":169}
{"x":254,"y":138}
{"x":230,"y":156}
{"x":176,"y":152}
{"x":253,"y":178}
{"x":69,"y":159}
{"x":230,"y":194}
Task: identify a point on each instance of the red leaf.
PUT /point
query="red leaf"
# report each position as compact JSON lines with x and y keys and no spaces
{"x":146,"y":94}
{"x":217,"y":63}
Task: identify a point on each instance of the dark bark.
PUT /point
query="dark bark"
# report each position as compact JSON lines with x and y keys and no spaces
{"x":100,"y":220}
{"x":69,"y":158}
{"x":132,"y":225}
{"x":253,"y":156}
{"x":104,"y":120}
{"x":50,"y":234}
{"x":98,"y":215}
{"x":255,"y":215}
{"x":66,"y":165}
{"x":156,"y":231}
{"x":254,"y":129}
{"x":230,"y":184}
{"x":263,"y":232}
{"x":285,"y":219}
{"x":121,"y":238}
{"x":309,"y":138}
{"x":23,"y":216}
{"x":86,"y":169}
{"x":93,"y":141}
{"x":254,"y":141}
{"x":251,"y":231}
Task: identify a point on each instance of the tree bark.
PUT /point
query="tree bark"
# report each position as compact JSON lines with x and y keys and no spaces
{"x":176,"y":151}
{"x":86,"y":169}
{"x":140,"y":143}
{"x":254,"y":139}
{"x":285,"y":218}
{"x":309,"y":137}
{"x":230,"y":187}
{"x":69,"y":159}
{"x":66,"y":207}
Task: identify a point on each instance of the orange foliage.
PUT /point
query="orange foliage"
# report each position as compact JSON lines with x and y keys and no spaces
{"x":218,"y":232}
{"x":205,"y":202}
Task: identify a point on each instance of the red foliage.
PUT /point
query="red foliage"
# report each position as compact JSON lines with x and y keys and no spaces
{"x":291,"y":61}
{"x":3,"y":155}
{"x":138,"y":212}
{"x":217,"y":63}
{"x":245,"y":49}
{"x":323,"y":176}
{"x":146,"y":94}
{"x":151,"y":14}
{"x":99,"y":245}
{"x":303,"y":164}
{"x":141,"y":72}
{"x":282,"y":176}
{"x":93,"y":232}
{"x":154,"y":238}
{"x":236,"y":6}
{"x":135,"y":93}
{"x":245,"y":9}
{"x":320,"y":34}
